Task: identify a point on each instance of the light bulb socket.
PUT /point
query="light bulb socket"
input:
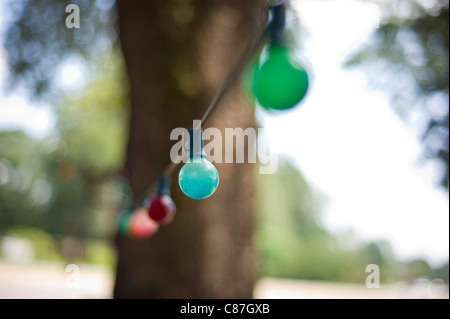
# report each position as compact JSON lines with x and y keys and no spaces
{"x":278,"y":24}
{"x":196,"y":144}
{"x":164,"y":183}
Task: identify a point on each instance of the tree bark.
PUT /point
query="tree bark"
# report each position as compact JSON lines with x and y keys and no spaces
{"x":177,"y":53}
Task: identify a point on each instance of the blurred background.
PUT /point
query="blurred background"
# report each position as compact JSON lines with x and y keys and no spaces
{"x":363,"y":171}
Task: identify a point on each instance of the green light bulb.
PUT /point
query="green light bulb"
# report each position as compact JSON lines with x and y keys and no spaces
{"x":198,"y":178}
{"x":124,"y":222}
{"x":280,"y":83}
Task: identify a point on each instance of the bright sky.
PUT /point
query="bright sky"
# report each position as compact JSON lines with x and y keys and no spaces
{"x":347,"y":141}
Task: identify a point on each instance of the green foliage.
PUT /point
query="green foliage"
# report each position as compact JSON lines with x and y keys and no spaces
{"x":292,"y":243}
{"x":98,"y":252}
{"x":63,"y":183}
{"x":420,"y":268}
{"x":60,"y":183}
{"x":23,"y":186}
{"x":417,"y":268}
{"x":290,"y":239}
{"x":442,"y":272}
{"x":38,"y":41}
{"x":93,"y":125}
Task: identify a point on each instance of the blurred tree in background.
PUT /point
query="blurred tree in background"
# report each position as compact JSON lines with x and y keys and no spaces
{"x":63,"y":183}
{"x":88,"y":142}
{"x":408,"y":58}
{"x":38,"y":41}
{"x":23,"y":182}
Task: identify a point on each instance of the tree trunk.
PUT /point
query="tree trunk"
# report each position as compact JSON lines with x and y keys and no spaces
{"x":177,"y":54}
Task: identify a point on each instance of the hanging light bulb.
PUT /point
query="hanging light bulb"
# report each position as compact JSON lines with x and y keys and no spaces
{"x":198,"y":178}
{"x":142,"y":226}
{"x":161,"y":207}
{"x":280,"y":83}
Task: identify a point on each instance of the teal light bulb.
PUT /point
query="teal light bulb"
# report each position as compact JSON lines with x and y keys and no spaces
{"x":198,"y":178}
{"x":280,"y":83}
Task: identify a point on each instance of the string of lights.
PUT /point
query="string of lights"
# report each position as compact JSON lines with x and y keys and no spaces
{"x":279,"y":83}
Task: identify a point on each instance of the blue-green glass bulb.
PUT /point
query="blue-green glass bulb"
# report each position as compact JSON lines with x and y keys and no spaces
{"x":198,"y":178}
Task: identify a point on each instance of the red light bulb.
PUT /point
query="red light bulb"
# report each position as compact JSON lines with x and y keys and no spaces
{"x":162,"y":209}
{"x":141,"y":226}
